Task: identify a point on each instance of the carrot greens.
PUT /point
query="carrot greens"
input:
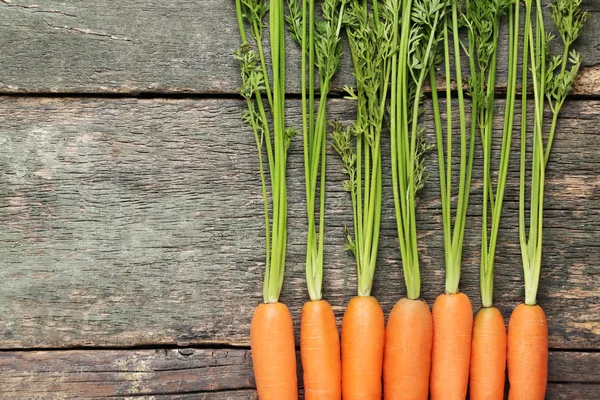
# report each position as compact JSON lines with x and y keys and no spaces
{"x":483,"y":19}
{"x":569,"y":20}
{"x":369,"y":34}
{"x":274,"y":137}
{"x":320,"y":41}
{"x":417,"y":35}
{"x":453,"y":233}
{"x":552,"y":79}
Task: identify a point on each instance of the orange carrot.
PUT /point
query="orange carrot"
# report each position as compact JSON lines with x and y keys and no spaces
{"x":452,"y":311}
{"x":271,"y":329}
{"x":451,"y":352}
{"x":359,"y":146}
{"x":528,"y":328}
{"x":407,"y":357}
{"x":527,"y":353}
{"x":488,"y":347}
{"x":409,"y":332}
{"x":320,"y":349}
{"x":319,"y":337}
{"x":363,"y":337}
{"x":488,"y":355}
{"x":273,"y":352}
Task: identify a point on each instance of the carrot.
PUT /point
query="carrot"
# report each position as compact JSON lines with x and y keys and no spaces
{"x":363,"y":337}
{"x":488,"y":349}
{"x":552,"y":77}
{"x":271,"y":329}
{"x":488,"y":355}
{"x":273,"y":352}
{"x":452,"y":327}
{"x":452,"y":311}
{"x":320,"y":349}
{"x":319,"y":338}
{"x":359,"y":146}
{"x":407,"y":357}
{"x":527,"y":353}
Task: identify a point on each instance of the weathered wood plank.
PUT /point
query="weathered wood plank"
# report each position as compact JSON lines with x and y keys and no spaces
{"x":562,"y":391}
{"x":180,"y":46}
{"x":102,"y":374}
{"x":579,"y":367}
{"x":194,"y":373}
{"x":127,"y":222}
{"x":228,"y":395}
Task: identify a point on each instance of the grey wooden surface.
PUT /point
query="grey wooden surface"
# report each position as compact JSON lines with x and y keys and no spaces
{"x":131,"y":233}
{"x":181,"y":46}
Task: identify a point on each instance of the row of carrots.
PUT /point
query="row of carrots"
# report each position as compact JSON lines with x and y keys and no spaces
{"x":397,"y":48}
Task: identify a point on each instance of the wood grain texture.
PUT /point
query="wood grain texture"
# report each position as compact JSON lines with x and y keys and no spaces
{"x":566,"y":391}
{"x":195,"y":374}
{"x":138,"y":222}
{"x":183,"y":46}
{"x":102,"y":374}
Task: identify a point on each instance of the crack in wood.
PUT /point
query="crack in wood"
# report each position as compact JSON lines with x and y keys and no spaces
{"x":84,"y":31}
{"x":34,"y":8}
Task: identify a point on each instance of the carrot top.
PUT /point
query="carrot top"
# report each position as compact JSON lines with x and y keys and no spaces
{"x":411,"y":65}
{"x":483,"y":20}
{"x":321,"y":50}
{"x":276,"y":139}
{"x":453,"y":233}
{"x":370,"y":49}
{"x":552,"y":81}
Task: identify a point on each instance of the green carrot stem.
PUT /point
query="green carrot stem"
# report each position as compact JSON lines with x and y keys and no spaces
{"x":255,"y":81}
{"x":279,"y":192}
{"x":485,"y":86}
{"x":362,"y":162}
{"x":240,"y":21}
{"x":263,"y":62}
{"x":454,"y":251}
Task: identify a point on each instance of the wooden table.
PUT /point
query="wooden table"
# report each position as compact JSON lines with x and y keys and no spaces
{"x":131,"y":234}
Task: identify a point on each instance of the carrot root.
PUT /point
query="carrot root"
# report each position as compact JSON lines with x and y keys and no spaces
{"x":451,"y":353}
{"x":273,"y":352}
{"x":363,"y":337}
{"x":407,"y":357}
{"x":527,"y":353}
{"x":320,"y":349}
{"x":488,"y":356}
